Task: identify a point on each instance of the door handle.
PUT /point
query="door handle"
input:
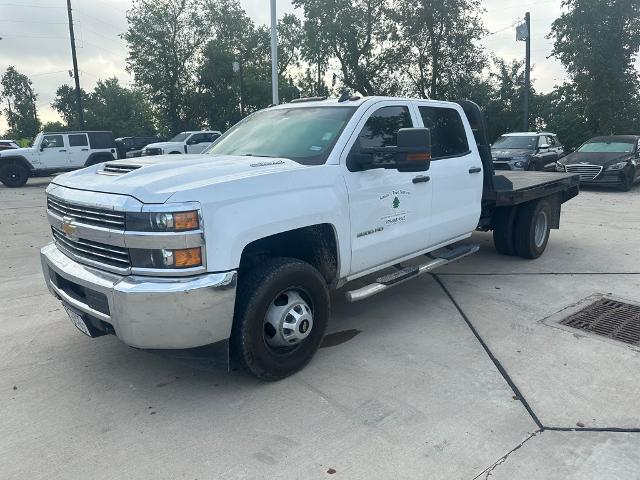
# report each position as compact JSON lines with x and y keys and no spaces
{"x":475,"y":170}
{"x":85,"y":149}
{"x":421,"y":179}
{"x":63,"y":150}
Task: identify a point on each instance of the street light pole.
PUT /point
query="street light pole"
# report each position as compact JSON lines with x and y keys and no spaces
{"x":75,"y":67}
{"x":274,"y":53}
{"x":527,"y":73}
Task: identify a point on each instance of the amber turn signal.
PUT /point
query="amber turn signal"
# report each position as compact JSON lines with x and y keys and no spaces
{"x":189,"y":257}
{"x":185,"y":220}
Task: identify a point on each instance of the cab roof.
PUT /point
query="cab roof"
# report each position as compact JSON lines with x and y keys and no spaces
{"x":526,"y":134}
{"x":353,"y":101}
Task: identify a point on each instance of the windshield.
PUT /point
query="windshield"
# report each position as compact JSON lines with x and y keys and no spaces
{"x":181,"y":137}
{"x":37,"y":140}
{"x":528,"y":141}
{"x":607,"y":147}
{"x":304,"y":134}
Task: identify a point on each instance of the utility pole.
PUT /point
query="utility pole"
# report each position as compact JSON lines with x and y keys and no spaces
{"x":274,"y":53}
{"x":527,"y":73}
{"x":75,"y":67}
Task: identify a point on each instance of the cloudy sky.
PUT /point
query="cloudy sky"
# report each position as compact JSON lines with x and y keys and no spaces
{"x":35,"y":40}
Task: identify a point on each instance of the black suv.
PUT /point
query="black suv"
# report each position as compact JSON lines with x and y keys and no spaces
{"x":526,"y":151}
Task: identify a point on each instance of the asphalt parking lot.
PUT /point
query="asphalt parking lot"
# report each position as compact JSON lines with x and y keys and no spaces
{"x":466,"y":374}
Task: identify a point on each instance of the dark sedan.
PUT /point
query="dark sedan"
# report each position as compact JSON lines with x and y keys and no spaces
{"x":613,"y":160}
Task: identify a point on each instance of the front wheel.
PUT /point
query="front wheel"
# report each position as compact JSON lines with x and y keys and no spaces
{"x":282,"y":308}
{"x":14,"y":174}
{"x":532,"y":229}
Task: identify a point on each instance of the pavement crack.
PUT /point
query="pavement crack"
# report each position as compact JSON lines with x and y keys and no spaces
{"x":486,"y":473}
{"x":492,"y":357}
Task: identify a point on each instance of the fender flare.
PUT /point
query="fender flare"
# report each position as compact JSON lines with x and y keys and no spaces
{"x":91,"y":160}
{"x":17,"y":158}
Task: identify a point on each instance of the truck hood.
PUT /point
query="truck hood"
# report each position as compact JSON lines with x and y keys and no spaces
{"x":506,"y":153}
{"x":155,"y":179}
{"x":17,"y":151}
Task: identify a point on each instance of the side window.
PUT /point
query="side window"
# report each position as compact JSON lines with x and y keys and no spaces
{"x":78,"y":141}
{"x":448,"y":136}
{"x":551,"y":141}
{"x":210,"y":137}
{"x":197,"y":138}
{"x":381,"y":129}
{"x":52,"y":141}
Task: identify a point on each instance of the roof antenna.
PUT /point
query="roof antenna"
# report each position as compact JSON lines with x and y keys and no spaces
{"x":344,"y":96}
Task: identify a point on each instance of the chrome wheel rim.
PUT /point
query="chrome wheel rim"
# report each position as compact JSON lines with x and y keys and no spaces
{"x":541,"y":228}
{"x":288,"y":321}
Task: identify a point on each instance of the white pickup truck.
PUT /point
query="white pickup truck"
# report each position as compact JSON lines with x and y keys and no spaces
{"x":240,"y":247}
{"x":184,"y":142}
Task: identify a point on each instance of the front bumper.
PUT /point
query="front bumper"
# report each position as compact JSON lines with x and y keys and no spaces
{"x":509,"y":164}
{"x":614,"y":178}
{"x":145,"y":312}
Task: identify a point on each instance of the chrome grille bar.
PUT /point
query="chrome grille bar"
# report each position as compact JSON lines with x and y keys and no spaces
{"x":93,"y":251}
{"x":586,"y":172}
{"x":87,"y":215}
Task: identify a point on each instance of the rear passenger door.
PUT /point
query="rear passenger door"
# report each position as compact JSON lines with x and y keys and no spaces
{"x":78,"y":149}
{"x":456,"y":173}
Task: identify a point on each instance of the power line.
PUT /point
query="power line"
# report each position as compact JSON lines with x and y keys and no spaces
{"x":33,"y":21}
{"x":29,"y":6}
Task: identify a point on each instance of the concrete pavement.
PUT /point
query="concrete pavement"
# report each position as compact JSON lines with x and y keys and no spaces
{"x":406,"y":391}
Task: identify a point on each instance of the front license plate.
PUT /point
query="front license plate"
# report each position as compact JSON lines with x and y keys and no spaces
{"x":78,"y":321}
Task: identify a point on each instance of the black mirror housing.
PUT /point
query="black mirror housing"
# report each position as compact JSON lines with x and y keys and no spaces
{"x":413,"y":153}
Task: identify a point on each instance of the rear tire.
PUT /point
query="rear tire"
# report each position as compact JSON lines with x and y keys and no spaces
{"x":503,"y":228}
{"x":279,"y":292}
{"x":14,"y":174}
{"x":532,"y":229}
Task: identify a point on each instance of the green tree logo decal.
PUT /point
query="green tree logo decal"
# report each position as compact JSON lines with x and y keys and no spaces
{"x":396,"y":202}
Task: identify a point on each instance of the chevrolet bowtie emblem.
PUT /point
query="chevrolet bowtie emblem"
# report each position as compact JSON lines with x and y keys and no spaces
{"x":67,"y":227}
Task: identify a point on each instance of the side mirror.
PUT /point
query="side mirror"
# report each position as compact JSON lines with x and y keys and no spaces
{"x":413,"y":153}
{"x":41,"y":148}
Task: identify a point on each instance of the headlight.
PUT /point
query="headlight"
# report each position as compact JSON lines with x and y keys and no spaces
{"x":164,"y":258}
{"x":617,"y":166}
{"x":162,"y":221}
{"x":560,"y":167}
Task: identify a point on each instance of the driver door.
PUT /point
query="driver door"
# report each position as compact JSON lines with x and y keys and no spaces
{"x":53,"y":153}
{"x":389,"y":210}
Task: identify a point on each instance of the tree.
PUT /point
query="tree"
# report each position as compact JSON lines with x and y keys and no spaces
{"x":109,"y":107}
{"x":597,"y":41}
{"x":65,"y":104}
{"x":357,"y":34}
{"x":436,"y":44}
{"x":21,"y":112}
{"x":166,"y":39}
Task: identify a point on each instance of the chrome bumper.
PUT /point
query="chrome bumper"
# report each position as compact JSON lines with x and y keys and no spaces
{"x":150,"y":312}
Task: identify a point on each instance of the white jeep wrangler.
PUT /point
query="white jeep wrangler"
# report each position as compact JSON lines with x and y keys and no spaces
{"x":54,"y":152}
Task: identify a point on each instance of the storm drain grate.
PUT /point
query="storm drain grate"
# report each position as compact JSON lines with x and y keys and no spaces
{"x":609,"y":318}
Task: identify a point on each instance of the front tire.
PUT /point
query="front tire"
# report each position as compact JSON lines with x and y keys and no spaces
{"x":282,"y":309}
{"x":532,"y":229}
{"x":14,"y":174}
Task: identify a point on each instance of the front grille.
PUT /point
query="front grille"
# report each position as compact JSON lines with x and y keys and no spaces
{"x":118,"y":168}
{"x":98,"y":217}
{"x":501,"y":166}
{"x":93,"y":251}
{"x":587,"y":172}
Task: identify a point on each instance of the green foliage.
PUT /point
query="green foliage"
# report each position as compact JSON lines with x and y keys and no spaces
{"x":20,"y":100}
{"x":597,"y":42}
{"x":109,"y":107}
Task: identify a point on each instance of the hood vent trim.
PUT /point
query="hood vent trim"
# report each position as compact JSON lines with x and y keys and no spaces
{"x":118,"y":168}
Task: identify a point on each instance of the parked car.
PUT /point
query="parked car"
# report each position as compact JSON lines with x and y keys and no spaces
{"x":240,"y":247}
{"x":184,"y":142}
{"x":54,"y":152}
{"x":611,"y":160}
{"x":129,"y":147}
{"x":526,"y":151}
{"x":8,"y":145}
